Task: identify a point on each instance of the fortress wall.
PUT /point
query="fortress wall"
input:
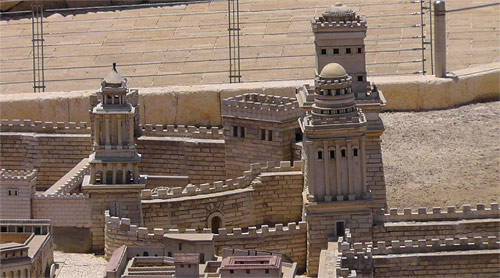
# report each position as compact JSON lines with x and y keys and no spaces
{"x":375,"y":172}
{"x":175,"y":104}
{"x":65,"y":210}
{"x":263,"y":195}
{"x":436,"y":213}
{"x":53,"y":155}
{"x":288,"y":239}
{"x":202,"y":160}
{"x":438,"y":229}
{"x":484,"y":263}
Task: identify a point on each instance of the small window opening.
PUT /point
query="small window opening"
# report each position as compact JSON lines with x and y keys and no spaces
{"x":329,"y":92}
{"x":10,"y":193}
{"x":267,"y":271}
{"x":231,"y":271}
{"x":145,"y":254}
{"x":320,"y":154}
{"x":189,"y":265}
{"x":235,"y":131}
{"x":248,"y":271}
{"x":360,"y":50}
{"x":360,"y":78}
{"x":337,"y":92}
{"x":169,"y":254}
{"x":242,"y":132}
{"x":182,"y":265}
{"x":323,"y":51}
{"x":262,"y":134}
{"x":270,"y":135}
{"x":332,"y":154}
{"x":15,"y":192}
{"x":180,"y":246}
{"x":355,"y":152}
{"x":340,"y":228}
{"x":348,"y":50}
{"x":336,"y":51}
{"x":343,"y":153}
{"x":19,"y":229}
{"x":3,"y":229}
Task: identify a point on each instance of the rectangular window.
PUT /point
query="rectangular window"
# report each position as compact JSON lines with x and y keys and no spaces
{"x":323,"y":51}
{"x":320,"y":155}
{"x":332,"y":154}
{"x":170,"y":254}
{"x":340,"y":228}
{"x":360,"y":78}
{"x":270,"y":135}
{"x":336,"y":51}
{"x":329,"y":92}
{"x":267,"y":271}
{"x":231,"y":271}
{"x":360,"y":50}
{"x":262,"y":134}
{"x":355,"y":152}
{"x":348,"y":51}
{"x":180,"y":246}
{"x":248,"y":271}
{"x":242,"y":132}
{"x":343,"y":153}
{"x":235,"y":131}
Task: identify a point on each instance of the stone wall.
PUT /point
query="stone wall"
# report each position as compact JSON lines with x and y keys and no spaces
{"x":202,"y":160}
{"x":65,"y":210}
{"x":375,"y":173}
{"x":16,"y":190}
{"x":264,"y":195}
{"x":53,"y":155}
{"x":289,"y":240}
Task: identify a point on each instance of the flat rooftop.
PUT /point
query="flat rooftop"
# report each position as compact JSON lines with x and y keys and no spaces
{"x":187,"y":44}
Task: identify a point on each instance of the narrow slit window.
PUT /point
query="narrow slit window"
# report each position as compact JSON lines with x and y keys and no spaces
{"x":320,"y":154}
{"x":343,"y":153}
{"x":329,"y":92}
{"x":270,"y":135}
{"x":355,"y":152}
{"x":235,"y":131}
{"x":332,"y":154}
{"x":360,"y":50}
{"x":262,"y":134}
{"x":242,"y":132}
{"x":180,"y":246}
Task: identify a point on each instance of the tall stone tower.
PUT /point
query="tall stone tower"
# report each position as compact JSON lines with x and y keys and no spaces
{"x":258,"y":128}
{"x":334,"y":152}
{"x":339,"y":38}
{"x":114,"y":183}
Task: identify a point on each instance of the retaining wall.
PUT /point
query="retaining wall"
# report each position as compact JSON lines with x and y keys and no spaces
{"x":401,"y":92}
{"x":63,"y":210}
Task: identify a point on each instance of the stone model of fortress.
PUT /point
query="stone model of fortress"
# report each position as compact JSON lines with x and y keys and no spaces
{"x":300,"y":177}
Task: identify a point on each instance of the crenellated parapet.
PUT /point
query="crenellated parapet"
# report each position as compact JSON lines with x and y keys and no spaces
{"x":353,"y":258}
{"x":261,"y":107}
{"x":221,"y":186}
{"x":69,"y":184}
{"x":437,"y":245}
{"x":16,"y":125}
{"x":61,"y":196}
{"x":17,"y":175}
{"x":436,"y":213}
{"x":202,"y":132}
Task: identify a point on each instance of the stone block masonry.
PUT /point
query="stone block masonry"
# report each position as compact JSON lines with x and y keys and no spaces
{"x":16,"y":190}
{"x":65,"y":210}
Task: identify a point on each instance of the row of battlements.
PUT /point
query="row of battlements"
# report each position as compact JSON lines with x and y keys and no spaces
{"x":261,"y":107}
{"x":71,"y":184}
{"x":322,"y":23}
{"x":436,"y":213}
{"x":435,"y":245}
{"x":183,"y":131}
{"x":17,"y":175}
{"x":333,"y":84}
{"x":221,"y":186}
{"x":61,"y":196}
{"x":123,"y":224}
{"x":16,"y":125}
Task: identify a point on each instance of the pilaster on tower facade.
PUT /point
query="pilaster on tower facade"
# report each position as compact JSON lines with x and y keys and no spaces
{"x":114,"y":182}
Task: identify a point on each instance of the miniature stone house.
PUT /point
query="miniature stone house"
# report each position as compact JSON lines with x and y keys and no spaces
{"x":251,"y":266}
{"x":187,"y":265}
{"x":339,"y":38}
{"x":258,"y":128}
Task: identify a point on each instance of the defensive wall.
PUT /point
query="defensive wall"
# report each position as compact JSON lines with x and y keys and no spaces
{"x":263,"y":195}
{"x":289,"y":239}
{"x":55,"y":148}
{"x":175,"y":104}
{"x":476,"y":256}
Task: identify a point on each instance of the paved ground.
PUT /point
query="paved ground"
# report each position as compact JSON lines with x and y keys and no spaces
{"x":75,"y":265}
{"x":188,"y":44}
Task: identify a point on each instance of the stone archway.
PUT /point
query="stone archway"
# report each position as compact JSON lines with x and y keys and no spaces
{"x":215,"y":221}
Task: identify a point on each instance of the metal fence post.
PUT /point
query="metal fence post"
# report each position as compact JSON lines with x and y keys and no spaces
{"x":440,"y":38}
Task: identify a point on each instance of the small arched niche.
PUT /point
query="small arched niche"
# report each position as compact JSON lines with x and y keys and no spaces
{"x":215,"y":221}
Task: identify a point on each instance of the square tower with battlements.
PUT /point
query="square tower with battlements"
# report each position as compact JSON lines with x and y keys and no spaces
{"x":258,"y":128}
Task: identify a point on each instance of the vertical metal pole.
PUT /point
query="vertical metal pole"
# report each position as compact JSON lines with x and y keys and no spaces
{"x":431,"y":37}
{"x":238,"y":39}
{"x":422,"y":34}
{"x":37,"y":43}
{"x":440,"y":38}
{"x":33,"y":43}
{"x":229,"y":37}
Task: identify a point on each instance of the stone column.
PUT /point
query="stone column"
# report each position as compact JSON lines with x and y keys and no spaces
{"x":351,"y":195}
{"x":328,"y":196}
{"x":119,"y":123}
{"x":340,"y":197}
{"x":107,"y":133}
{"x":114,"y":173}
{"x":363,"y":167}
{"x":92,"y":175}
{"x":131,"y":130}
{"x":124,"y":174}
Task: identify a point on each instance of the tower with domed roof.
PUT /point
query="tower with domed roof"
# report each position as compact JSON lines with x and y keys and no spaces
{"x":334,"y":153}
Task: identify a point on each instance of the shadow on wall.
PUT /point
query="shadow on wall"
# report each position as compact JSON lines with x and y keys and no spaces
{"x":72,"y":239}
